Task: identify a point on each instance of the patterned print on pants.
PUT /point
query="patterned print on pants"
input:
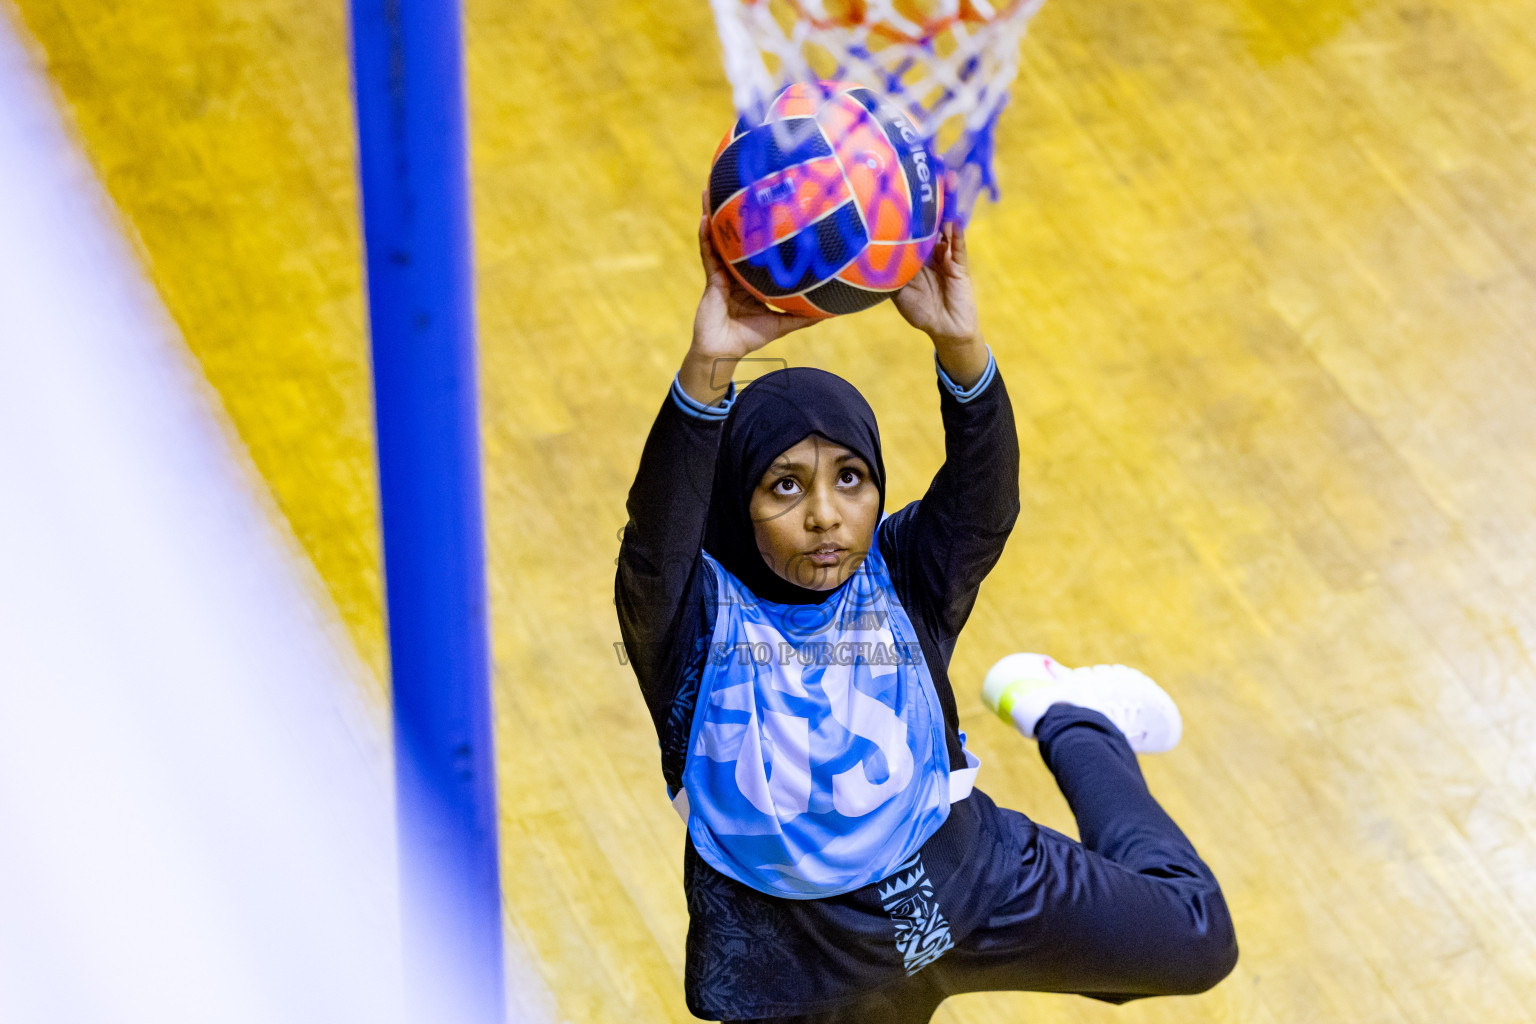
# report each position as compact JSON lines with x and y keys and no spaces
{"x":922,"y":933}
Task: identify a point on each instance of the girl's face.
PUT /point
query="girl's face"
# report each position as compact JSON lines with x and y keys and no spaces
{"x":814,"y":513}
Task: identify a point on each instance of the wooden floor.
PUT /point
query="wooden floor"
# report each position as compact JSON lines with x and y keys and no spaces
{"x":1263,"y":285}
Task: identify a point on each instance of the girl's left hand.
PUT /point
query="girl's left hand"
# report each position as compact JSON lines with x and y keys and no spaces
{"x":940,"y":301}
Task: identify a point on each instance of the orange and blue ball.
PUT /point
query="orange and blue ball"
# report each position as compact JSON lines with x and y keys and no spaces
{"x":829,"y":205}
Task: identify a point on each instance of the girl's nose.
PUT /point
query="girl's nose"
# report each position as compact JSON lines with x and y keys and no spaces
{"x":821,"y":512}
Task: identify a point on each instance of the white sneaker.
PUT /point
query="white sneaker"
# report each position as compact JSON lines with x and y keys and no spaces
{"x":1021,"y":687}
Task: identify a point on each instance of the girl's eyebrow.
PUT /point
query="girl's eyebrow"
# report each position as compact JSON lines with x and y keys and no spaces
{"x":785,"y":464}
{"x":781,"y":464}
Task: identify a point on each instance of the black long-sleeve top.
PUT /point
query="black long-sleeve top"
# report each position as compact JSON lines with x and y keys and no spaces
{"x":750,"y":954}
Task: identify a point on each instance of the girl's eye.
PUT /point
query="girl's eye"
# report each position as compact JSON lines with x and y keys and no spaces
{"x":850,"y":477}
{"x":788,"y":485}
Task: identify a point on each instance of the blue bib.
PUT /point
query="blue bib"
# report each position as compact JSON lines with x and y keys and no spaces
{"x":816,"y":762}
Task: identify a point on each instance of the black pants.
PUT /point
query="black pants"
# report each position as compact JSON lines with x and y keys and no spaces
{"x":1130,"y":911}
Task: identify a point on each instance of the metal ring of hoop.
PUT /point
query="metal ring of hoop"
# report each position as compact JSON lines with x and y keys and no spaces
{"x":966,"y":14}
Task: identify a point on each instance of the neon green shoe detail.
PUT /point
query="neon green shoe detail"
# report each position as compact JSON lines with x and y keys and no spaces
{"x":1016,"y":675}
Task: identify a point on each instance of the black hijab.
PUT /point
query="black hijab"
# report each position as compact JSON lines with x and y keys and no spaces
{"x":771,"y":415}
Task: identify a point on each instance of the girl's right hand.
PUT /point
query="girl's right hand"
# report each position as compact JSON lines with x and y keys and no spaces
{"x":731,"y":322}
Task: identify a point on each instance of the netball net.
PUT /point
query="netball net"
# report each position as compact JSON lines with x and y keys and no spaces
{"x":946,"y":64}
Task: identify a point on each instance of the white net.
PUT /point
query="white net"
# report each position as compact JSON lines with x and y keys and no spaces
{"x":946,"y":63}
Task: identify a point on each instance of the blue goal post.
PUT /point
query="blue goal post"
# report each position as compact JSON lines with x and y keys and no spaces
{"x":408,"y":78}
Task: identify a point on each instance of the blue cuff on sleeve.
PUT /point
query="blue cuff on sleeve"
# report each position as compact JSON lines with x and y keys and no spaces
{"x":698,"y":410}
{"x":966,"y":394}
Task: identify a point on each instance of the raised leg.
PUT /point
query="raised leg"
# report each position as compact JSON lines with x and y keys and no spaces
{"x":1131,"y":911}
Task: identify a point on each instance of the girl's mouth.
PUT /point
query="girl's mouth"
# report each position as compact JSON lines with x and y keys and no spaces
{"x":825,"y":556}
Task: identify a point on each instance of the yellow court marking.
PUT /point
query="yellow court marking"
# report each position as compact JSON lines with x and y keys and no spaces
{"x":1261,"y":285}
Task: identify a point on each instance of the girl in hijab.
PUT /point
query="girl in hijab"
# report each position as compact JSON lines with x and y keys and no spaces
{"x":792,"y":642}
